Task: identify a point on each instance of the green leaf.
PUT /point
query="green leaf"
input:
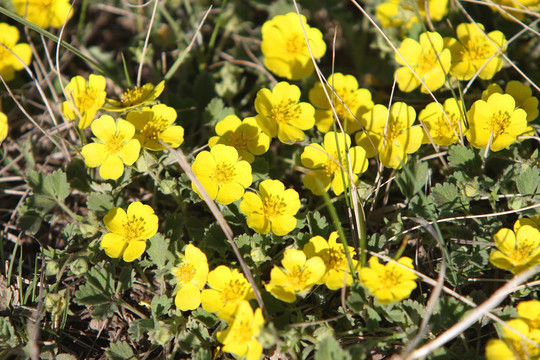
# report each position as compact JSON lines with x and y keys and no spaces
{"x":160,"y":305}
{"x":329,"y":349}
{"x":98,"y":291}
{"x":100,"y":203}
{"x":138,"y":328}
{"x":57,"y":185}
{"x":447,"y":198}
{"x":527,"y":182}
{"x":409,"y":186}
{"x":120,"y":351}
{"x":216,"y":111}
{"x":125,"y":281}
{"x":356,"y":298}
{"x":317,"y":224}
{"x":159,"y":250}
{"x":459,"y":155}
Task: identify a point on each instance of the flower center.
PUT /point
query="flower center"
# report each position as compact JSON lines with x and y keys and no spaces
{"x":185,"y":273}
{"x":499,"y":122}
{"x":234,"y":291}
{"x":137,"y":95}
{"x":523,"y":251}
{"x":154,"y":128}
{"x":333,"y":259}
{"x":390,"y":279}
{"x":243,"y":332}
{"x":238,"y":140}
{"x":224,"y":173}
{"x":298,"y":277}
{"x":445,"y":128}
{"x":286,"y":110}
{"x":332,"y":167}
{"x":477,"y":49}
{"x":295,"y":44}
{"x":114,"y":144}
{"x":273,"y":206}
{"x":134,"y":228}
{"x":392,"y":131}
{"x":427,"y":61}
{"x":86,"y":99}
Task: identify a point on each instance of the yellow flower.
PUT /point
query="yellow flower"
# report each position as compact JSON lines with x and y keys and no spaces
{"x":223,"y":176}
{"x":272,"y":210}
{"x":389,"y":283}
{"x":390,"y":135}
{"x":84,"y":99}
{"x":427,"y":58}
{"x":44,"y":13}
{"x":331,"y":165}
{"x":496,"y":119}
{"x":154,"y":124}
{"x":357,"y":102}
{"x":333,"y":255}
{"x":135,"y":97}
{"x":245,"y":136}
{"x":3,"y":126}
{"x":521,"y":93}
{"x":9,"y":63}
{"x":517,"y":4}
{"x":517,"y":250}
{"x":191,"y":275}
{"x":279,"y":113}
{"x":513,"y":346}
{"x":229,"y":288}
{"x":129,"y":231}
{"x":529,"y":311}
{"x":395,"y":13}
{"x":444,"y":130}
{"x":284,"y":46}
{"x":115,"y":147}
{"x":297,"y":276}
{"x":472,"y":51}
{"x":240,"y":338}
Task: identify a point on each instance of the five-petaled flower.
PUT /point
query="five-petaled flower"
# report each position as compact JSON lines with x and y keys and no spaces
{"x":190,"y":277}
{"x":129,"y":231}
{"x":222,"y":174}
{"x":474,"y":51}
{"x":273,"y":209}
{"x":284,"y":46}
{"x":13,"y":56}
{"x":44,"y":13}
{"x":337,"y":164}
{"x":391,"y":282}
{"x":155,"y":124}
{"x":84,"y":99}
{"x":427,"y":60}
{"x":522,"y":94}
{"x":228,"y":289}
{"x":338,"y":270}
{"x":114,"y":147}
{"x":495,"y":122}
{"x":279,"y":113}
{"x":517,"y":249}
{"x":349,"y":102}
{"x":240,"y":338}
{"x":245,"y":136}
{"x":391,"y":135}
{"x":443,"y":125}
{"x":297,"y":276}
{"x":395,"y":13}
{"x":135,"y":97}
